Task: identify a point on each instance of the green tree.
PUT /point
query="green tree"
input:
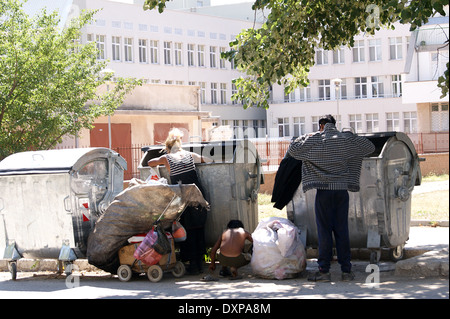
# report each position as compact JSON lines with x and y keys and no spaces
{"x":49,"y":80}
{"x":282,"y":49}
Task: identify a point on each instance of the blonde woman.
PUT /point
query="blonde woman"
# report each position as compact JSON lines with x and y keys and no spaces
{"x":181,"y":167}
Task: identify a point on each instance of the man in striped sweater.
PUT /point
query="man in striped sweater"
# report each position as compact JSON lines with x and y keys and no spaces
{"x":332,"y":165}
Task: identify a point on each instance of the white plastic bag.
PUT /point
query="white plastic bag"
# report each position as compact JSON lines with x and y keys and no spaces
{"x":278,"y":252}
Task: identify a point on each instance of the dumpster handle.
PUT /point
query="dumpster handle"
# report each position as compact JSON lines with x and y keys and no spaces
{"x":67,"y":204}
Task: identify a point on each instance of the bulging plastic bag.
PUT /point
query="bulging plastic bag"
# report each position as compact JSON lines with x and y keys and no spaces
{"x":153,"y":247}
{"x":278,"y":252}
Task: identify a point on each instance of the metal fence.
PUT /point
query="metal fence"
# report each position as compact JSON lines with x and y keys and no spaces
{"x":272,"y":150}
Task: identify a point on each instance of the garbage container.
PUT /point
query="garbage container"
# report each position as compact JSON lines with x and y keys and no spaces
{"x":50,"y":200}
{"x":231,"y":183}
{"x":380,"y":213}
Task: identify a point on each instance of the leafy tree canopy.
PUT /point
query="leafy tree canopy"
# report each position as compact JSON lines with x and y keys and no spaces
{"x":282,"y":49}
{"x":48,"y":80}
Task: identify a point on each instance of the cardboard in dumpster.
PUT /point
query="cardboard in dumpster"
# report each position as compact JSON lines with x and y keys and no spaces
{"x":134,"y":211}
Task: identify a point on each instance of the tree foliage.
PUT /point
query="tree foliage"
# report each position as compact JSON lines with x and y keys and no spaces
{"x":48,"y":80}
{"x":282,"y":49}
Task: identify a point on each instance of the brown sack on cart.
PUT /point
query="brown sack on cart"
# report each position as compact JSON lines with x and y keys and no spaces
{"x":134,"y":211}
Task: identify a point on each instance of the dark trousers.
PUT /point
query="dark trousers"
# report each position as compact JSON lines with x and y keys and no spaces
{"x":331,"y":208}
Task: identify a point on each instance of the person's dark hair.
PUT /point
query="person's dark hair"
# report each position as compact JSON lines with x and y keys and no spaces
{"x":235,"y":223}
{"x":327,"y":119}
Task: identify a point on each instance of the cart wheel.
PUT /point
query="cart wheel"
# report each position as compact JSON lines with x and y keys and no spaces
{"x":124,"y":273}
{"x":154,"y":273}
{"x":13,"y":270}
{"x":396,"y":253}
{"x":178,"y":270}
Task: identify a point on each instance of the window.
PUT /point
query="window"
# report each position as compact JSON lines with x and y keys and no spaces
{"x":167,"y":53}
{"x":361,"y":88}
{"x":191,"y":54}
{"x":324,"y":90}
{"x":372,"y":122}
{"x":321,"y":57}
{"x":410,"y":122}
{"x":223,"y":93}
{"x":358,"y":51}
{"x":355,"y":122}
{"x":154,"y":52}
{"x":290,"y":97}
{"x":202,"y":92}
{"x":396,"y":81}
{"x":222,"y":64}
{"x":201,"y":55}
{"x":305,"y":94}
{"x":377,"y":86}
{"x":395,"y":48}
{"x":101,"y":46}
{"x":338,"y":56}
{"x":315,"y":123}
{"x":439,"y":117}
{"x":375,"y":50}
{"x":213,"y":93}
{"x":115,"y":43}
{"x":393,"y":121}
{"x":233,"y":91}
{"x":299,"y":126}
{"x":212,"y":57}
{"x":142,"y":43}
{"x":178,"y":53}
{"x":283,"y":126}
{"x":128,"y":49}
{"x":343,"y":90}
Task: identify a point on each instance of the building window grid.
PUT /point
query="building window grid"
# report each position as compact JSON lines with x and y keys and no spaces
{"x":355,"y":122}
{"x":115,"y":45}
{"x":358,"y":51}
{"x":299,"y":125}
{"x":283,"y":126}
{"x":439,"y":117}
{"x":361,"y":88}
{"x":393,"y":121}
{"x":213,"y":57}
{"x":167,"y":53}
{"x":324,"y":90}
{"x":191,"y":54}
{"x":101,"y":46}
{"x":223,"y":93}
{"x":372,"y":123}
{"x":213,"y":93}
{"x":339,"y":56}
{"x":142,"y":43}
{"x":395,"y":48}
{"x":321,"y":57}
{"x":377,"y":86}
{"x":128,"y":49}
{"x":178,"y":53}
{"x":410,"y":122}
{"x":201,"y":55}
{"x":375,"y":50}
{"x":154,"y":51}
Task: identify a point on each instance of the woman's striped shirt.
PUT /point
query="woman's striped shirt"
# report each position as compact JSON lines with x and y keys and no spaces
{"x":179,"y":166}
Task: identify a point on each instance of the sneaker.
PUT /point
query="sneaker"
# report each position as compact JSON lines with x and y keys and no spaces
{"x":348,"y":276}
{"x":320,"y":276}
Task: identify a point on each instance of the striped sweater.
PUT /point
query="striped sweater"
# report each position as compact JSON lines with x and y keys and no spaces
{"x":179,"y":166}
{"x":331,"y":159}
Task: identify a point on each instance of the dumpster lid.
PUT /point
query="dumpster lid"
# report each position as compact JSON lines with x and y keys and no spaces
{"x":48,"y":161}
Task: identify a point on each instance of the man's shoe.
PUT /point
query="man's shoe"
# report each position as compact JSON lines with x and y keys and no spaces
{"x":348,"y":276}
{"x":320,"y":277}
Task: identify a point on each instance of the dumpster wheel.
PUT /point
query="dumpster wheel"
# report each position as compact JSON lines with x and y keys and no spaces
{"x":396,"y":253}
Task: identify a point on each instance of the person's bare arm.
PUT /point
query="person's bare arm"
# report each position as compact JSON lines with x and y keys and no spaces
{"x":214,"y":249}
{"x":201,"y":159}
{"x":162,"y":160}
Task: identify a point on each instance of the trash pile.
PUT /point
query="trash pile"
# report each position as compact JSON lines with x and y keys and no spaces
{"x":135,"y":211}
{"x":278,"y":252}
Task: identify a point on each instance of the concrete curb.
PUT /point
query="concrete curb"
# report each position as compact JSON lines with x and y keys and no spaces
{"x":439,"y":223}
{"x":429,"y":264}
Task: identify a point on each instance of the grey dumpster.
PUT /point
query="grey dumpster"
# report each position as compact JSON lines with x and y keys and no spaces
{"x":231,"y":183}
{"x":50,"y":200}
{"x":380,"y":213}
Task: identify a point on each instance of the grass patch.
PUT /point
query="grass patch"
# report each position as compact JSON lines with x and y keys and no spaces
{"x":432,"y":206}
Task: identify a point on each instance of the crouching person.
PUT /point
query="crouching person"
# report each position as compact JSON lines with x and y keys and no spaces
{"x":230,"y":250}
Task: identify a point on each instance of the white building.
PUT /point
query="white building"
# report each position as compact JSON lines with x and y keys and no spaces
{"x":368,"y":88}
{"x":426,"y":61}
{"x":177,"y":47}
